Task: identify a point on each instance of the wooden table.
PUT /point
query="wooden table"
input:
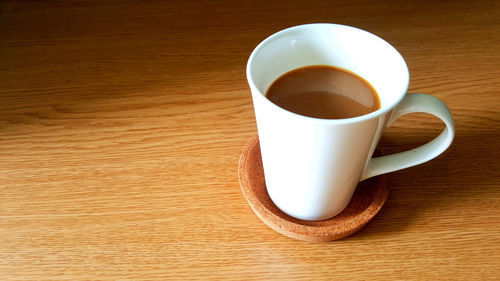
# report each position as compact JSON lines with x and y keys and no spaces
{"x":121,"y":126}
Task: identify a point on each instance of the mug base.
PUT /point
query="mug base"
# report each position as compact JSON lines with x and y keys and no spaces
{"x":368,"y":199}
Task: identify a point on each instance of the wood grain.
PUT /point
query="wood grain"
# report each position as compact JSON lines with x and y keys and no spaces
{"x":121,"y":125}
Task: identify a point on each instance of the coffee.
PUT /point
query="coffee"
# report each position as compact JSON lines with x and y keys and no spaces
{"x":325,"y":92}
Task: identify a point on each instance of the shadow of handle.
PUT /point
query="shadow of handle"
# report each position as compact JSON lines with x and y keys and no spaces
{"x":412,"y":103}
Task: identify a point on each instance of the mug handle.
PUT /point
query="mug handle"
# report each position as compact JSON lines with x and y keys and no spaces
{"x":412,"y":103}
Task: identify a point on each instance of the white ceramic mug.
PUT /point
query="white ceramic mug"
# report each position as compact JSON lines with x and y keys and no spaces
{"x":312,"y":166}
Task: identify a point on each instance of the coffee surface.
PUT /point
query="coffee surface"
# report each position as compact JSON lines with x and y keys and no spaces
{"x":325,"y":92}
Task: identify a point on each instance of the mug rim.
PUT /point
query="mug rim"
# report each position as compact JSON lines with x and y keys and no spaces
{"x":382,"y":110}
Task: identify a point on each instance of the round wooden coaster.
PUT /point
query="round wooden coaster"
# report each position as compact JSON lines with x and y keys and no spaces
{"x":368,"y":199}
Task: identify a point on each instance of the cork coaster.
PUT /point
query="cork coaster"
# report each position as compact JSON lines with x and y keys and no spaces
{"x":368,"y":199}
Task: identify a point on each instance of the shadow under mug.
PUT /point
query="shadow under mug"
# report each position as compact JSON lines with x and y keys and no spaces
{"x":312,"y":166}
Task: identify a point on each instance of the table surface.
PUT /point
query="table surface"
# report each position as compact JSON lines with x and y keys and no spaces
{"x":121,"y":126}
